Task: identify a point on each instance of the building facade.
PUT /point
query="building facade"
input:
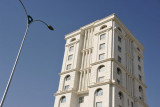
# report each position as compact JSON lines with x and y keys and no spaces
{"x":102,"y":67}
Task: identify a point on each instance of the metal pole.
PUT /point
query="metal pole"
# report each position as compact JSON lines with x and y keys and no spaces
{"x":13,"y":69}
{"x":29,"y":21}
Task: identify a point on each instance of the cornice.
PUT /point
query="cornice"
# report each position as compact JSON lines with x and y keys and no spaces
{"x":119,"y":86}
{"x":102,"y":31}
{"x":83,"y":92}
{"x":65,"y":72}
{"x":74,"y":33}
{"x":98,"y":22}
{"x":71,"y":43}
{"x":133,"y":98}
{"x":64,"y":92}
{"x":123,"y":89}
{"x":140,"y":82}
{"x":122,"y":67}
{"x":141,"y":102}
{"x":91,"y":25}
{"x":132,"y":76}
{"x":128,"y":32}
{"x":101,"y":61}
{"x":99,"y":84}
{"x":119,"y":33}
{"x":84,"y":69}
{"x":104,"y":20}
{"x":87,"y":50}
{"x":140,"y":54}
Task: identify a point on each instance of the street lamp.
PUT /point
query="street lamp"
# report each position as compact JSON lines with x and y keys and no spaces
{"x":29,"y":21}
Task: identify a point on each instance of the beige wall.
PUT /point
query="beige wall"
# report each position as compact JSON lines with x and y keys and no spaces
{"x":85,"y":63}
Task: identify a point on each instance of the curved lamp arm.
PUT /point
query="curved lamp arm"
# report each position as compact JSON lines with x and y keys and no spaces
{"x":49,"y":26}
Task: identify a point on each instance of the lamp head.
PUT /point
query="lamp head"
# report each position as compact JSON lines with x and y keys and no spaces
{"x":50,"y":27}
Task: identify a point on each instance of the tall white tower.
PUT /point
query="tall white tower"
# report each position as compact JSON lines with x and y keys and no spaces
{"x":102,"y":67}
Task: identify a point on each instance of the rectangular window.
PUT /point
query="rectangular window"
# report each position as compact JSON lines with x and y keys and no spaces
{"x":118,"y":81}
{"x":131,"y":104}
{"x":70,"y":57}
{"x":100,"y":79}
{"x":101,"y":56}
{"x":81,"y":99}
{"x":139,"y":67}
{"x":99,"y":104}
{"x":71,"y":48}
{"x":119,"y":39}
{"x":102,"y":36}
{"x":119,"y":59}
{"x":140,"y":78}
{"x":66,"y":87}
{"x":119,"y":48}
{"x":139,"y":58}
{"x":138,"y":49}
{"x":68,"y":67}
{"x":102,"y":46}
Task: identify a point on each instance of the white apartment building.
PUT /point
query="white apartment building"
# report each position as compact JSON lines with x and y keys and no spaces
{"x":102,"y":67}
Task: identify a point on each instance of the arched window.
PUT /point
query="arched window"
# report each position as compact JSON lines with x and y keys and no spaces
{"x":120,"y":95}
{"x":63,"y":99}
{"x":101,"y":68}
{"x":121,"y":99}
{"x":104,"y":26}
{"x":73,"y":39}
{"x":67,"y":78}
{"x":99,"y":92}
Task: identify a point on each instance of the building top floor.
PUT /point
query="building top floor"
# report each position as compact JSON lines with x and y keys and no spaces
{"x":97,"y":25}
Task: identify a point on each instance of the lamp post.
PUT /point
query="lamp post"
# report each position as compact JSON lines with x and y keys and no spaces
{"x":29,"y":21}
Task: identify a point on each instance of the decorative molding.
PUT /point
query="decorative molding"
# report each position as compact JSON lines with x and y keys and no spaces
{"x":101,"y":61}
{"x":141,"y":102}
{"x":122,"y":67}
{"x":64,"y":92}
{"x":82,"y":92}
{"x":65,"y":72}
{"x":128,"y":32}
{"x":88,"y":49}
{"x":72,"y":34}
{"x":132,"y":76}
{"x":102,"y":31}
{"x":123,"y":89}
{"x":140,"y":54}
{"x":119,"y":33}
{"x":88,"y":68}
{"x":71,"y":43}
{"x":99,"y":84}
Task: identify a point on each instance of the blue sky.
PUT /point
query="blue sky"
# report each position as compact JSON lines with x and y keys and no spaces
{"x":36,"y":77}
